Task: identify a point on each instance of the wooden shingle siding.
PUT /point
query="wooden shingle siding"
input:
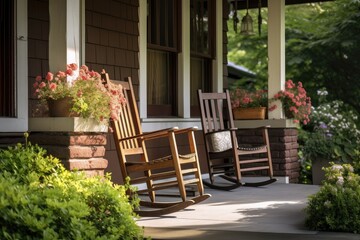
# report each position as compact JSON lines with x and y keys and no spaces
{"x":112,"y":38}
{"x":38,"y":48}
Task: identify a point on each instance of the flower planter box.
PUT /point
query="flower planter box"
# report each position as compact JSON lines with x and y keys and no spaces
{"x":255,"y":113}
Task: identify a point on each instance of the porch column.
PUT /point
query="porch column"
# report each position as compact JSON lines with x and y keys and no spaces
{"x":276,"y":52}
{"x":143,"y":59}
{"x":184,"y":62}
{"x":218,"y":63}
{"x":65,"y":33}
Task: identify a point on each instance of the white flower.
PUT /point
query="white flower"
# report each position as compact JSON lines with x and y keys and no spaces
{"x":322,"y":92}
{"x":340,"y":181}
{"x":327,"y":204}
{"x":337,"y":167}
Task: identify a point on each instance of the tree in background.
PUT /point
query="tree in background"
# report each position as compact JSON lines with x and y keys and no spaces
{"x":322,"y":48}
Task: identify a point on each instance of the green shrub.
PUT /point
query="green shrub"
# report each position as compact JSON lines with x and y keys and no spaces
{"x":333,"y":134}
{"x":39,"y":199}
{"x":336,"y":207}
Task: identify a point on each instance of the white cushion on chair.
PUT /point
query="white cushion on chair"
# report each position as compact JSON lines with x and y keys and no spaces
{"x":219,"y":141}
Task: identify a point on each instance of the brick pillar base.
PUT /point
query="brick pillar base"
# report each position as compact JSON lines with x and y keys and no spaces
{"x":284,"y":150}
{"x":80,"y":151}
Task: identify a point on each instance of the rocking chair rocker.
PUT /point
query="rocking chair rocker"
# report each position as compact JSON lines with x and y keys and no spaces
{"x":224,"y":154}
{"x":155,"y":174}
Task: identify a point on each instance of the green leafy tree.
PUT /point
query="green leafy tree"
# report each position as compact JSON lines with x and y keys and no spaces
{"x":322,"y":48}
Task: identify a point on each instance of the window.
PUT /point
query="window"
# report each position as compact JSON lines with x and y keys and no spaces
{"x":202,"y":35}
{"x":162,"y":57}
{"x":7,"y":59}
{"x":13,"y":66}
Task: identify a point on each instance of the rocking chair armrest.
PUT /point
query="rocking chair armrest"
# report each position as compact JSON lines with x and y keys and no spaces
{"x":165,"y":132}
{"x":185,"y":130}
{"x":151,"y":135}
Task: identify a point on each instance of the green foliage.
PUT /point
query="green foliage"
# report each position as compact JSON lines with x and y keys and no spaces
{"x":305,"y":169}
{"x":39,"y":199}
{"x":322,"y":49}
{"x":250,"y":51}
{"x":333,"y":133}
{"x":336,"y":206}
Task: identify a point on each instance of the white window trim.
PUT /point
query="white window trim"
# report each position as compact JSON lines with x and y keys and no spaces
{"x":20,"y":123}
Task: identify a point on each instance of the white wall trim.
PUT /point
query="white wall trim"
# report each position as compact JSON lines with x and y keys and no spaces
{"x":20,"y":123}
{"x":143,"y":58}
{"x":218,"y":62}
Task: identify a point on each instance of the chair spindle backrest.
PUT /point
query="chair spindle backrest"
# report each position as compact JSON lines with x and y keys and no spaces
{"x":128,"y":123}
{"x":214,"y":108}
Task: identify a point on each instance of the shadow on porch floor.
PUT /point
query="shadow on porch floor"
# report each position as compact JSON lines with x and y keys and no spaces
{"x":274,"y":211}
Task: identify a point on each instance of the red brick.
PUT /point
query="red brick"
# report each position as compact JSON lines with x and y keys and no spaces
{"x":86,"y":152}
{"x":59,"y":139}
{"x":85,"y":164}
{"x":88,"y":140}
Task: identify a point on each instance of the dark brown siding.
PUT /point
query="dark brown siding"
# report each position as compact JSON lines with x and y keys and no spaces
{"x":112,"y":44}
{"x":38,"y":48}
{"x":112,"y":37}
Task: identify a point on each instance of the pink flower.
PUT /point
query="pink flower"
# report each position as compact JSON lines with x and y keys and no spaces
{"x":42,"y":85}
{"x":84,"y":68}
{"x":69,"y":72}
{"x":36,"y":84}
{"x":61,"y":74}
{"x":73,"y":66}
{"x":293,"y":109}
{"x":38,"y":78}
{"x":246,"y":100}
{"x":49,"y":76}
{"x":289,"y":84}
{"x":52,"y":86}
{"x":294,"y":99}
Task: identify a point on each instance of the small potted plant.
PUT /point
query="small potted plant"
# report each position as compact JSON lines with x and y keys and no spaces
{"x":249,"y":105}
{"x":296,"y":103}
{"x":79,"y":92}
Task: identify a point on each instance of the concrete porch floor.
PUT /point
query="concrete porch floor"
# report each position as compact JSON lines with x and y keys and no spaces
{"x":275,"y":211}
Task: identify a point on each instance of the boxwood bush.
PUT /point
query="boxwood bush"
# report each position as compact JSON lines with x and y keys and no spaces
{"x":336,"y":207}
{"x":39,"y":199}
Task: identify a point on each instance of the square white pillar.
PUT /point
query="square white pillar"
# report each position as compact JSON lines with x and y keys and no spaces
{"x":65,"y":33}
{"x":276,"y":52}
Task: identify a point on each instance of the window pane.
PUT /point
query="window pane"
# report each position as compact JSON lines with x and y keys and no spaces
{"x":201,"y":17}
{"x":202,"y":37}
{"x":200,"y":79}
{"x":160,"y":94}
{"x":161,"y":57}
{"x":7,"y":77}
{"x":162,"y":22}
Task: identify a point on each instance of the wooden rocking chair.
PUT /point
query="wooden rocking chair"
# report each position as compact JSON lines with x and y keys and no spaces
{"x":154,"y":174}
{"x":224,"y":154}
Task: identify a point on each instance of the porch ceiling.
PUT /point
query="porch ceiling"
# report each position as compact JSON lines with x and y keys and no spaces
{"x":241,"y":4}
